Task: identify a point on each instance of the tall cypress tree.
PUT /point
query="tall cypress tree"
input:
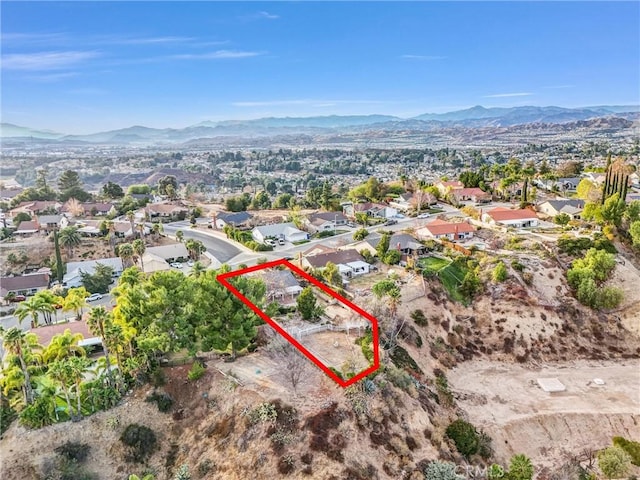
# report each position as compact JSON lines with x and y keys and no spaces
{"x":59,"y":265}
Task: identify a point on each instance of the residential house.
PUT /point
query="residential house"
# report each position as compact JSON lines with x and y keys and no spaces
{"x":510,"y":217}
{"x":239,"y":220}
{"x":281,"y":285}
{"x":45,"y":333}
{"x":37,"y":207}
{"x":376,"y":210}
{"x":441,"y":229}
{"x":317,"y":249}
{"x":349,"y":262}
{"x":27,"y":228}
{"x":175,"y":252}
{"x":90,"y":228}
{"x":325,"y":221}
{"x":24,"y":285}
{"x":99,"y":209}
{"x":73,"y":277}
{"x":410,"y":201}
{"x":564,"y":184}
{"x":6,"y":195}
{"x":474,"y":194}
{"x":403,"y":242}
{"x":166,"y":211}
{"x":508,"y":191}
{"x":122,"y":229}
{"x":572,"y":207}
{"x":152,"y":263}
{"x":50,"y":223}
{"x":285,"y":231}
{"x":446,"y":187}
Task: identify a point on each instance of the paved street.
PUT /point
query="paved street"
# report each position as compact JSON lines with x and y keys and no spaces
{"x":11,"y":321}
{"x":223,"y":250}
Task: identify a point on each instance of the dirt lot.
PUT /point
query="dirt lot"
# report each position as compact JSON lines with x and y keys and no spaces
{"x":506,"y":401}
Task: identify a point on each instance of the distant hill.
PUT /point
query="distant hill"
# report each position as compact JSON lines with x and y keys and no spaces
{"x":271,"y":127}
{"x":11,"y":130}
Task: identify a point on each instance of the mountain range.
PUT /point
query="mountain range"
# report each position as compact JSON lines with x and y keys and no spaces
{"x":475,"y":117}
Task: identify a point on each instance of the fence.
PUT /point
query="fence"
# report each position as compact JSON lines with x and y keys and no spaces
{"x":457,"y":247}
{"x":298,"y":333}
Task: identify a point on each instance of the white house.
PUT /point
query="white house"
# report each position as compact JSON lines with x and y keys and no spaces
{"x":572,"y":207}
{"x":73,"y":277}
{"x":280,"y":285}
{"x":349,"y":262}
{"x":170,"y":253}
{"x":286,"y":231}
{"x":440,"y":229}
{"x":511,"y":218}
{"x":326,"y":221}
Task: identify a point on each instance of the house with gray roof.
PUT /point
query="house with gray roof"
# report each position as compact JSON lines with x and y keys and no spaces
{"x":285,"y":231}
{"x":24,"y":284}
{"x":571,"y":206}
{"x":233,"y":219}
{"x":73,"y":277}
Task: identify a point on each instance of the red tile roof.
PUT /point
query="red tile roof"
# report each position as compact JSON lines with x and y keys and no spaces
{"x":440,"y":227}
{"x":500,"y":214}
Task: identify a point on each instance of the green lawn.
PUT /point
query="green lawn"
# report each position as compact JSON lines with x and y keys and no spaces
{"x":434,"y":264}
{"x":450,"y":275}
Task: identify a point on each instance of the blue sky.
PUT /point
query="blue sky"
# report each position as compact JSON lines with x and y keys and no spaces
{"x":84,"y":67}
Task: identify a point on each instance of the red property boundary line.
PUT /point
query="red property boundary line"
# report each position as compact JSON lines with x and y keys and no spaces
{"x":223,"y":279}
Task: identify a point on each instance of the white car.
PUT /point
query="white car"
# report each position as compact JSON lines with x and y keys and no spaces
{"x":93,"y":297}
{"x":424,"y":215}
{"x":176,"y":265}
{"x":270,"y":242}
{"x":190,"y":263}
{"x":281,"y":241}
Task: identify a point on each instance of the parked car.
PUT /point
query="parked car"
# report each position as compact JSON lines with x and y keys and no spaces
{"x":176,"y":265}
{"x":281,"y":241}
{"x":93,"y":297}
{"x":424,"y":215}
{"x":270,"y":241}
{"x":391,"y":222}
{"x":190,"y":263}
{"x":19,"y":298}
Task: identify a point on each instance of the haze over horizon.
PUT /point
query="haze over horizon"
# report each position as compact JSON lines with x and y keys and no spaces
{"x":87,"y":67}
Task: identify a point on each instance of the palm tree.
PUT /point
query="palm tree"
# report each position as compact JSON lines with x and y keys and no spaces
{"x":99,"y":323}
{"x":31,"y":307}
{"x":17,"y":342}
{"x":49,"y":301}
{"x":138,"y":250}
{"x":157,"y":229}
{"x":77,"y":368}
{"x":69,"y":238}
{"x":125,"y":252}
{"x":197,"y":269}
{"x":76,"y":301}
{"x":131,"y":216}
{"x":60,"y":372}
{"x":195,"y":248}
{"x":179,"y":236}
{"x":64,"y":345}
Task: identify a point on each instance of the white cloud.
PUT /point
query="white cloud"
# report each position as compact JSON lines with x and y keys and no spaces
{"x":51,"y":77}
{"x":218,"y":54}
{"x":422,"y":57}
{"x":130,"y":40}
{"x":268,"y":16}
{"x":45,"y":60}
{"x":504,"y":95}
{"x":33,"y":38}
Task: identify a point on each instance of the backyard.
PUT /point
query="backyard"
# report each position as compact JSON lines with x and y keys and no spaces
{"x":450,"y":273}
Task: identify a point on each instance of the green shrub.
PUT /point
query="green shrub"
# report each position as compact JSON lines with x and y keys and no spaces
{"x":196,"y":372}
{"x":499,"y":273}
{"x":265,"y":412}
{"x":419,"y":317}
{"x":629,"y":446}
{"x":162,"y":400}
{"x":75,"y":451}
{"x":465,"y":437}
{"x":360,"y":234}
{"x":141,"y":441}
